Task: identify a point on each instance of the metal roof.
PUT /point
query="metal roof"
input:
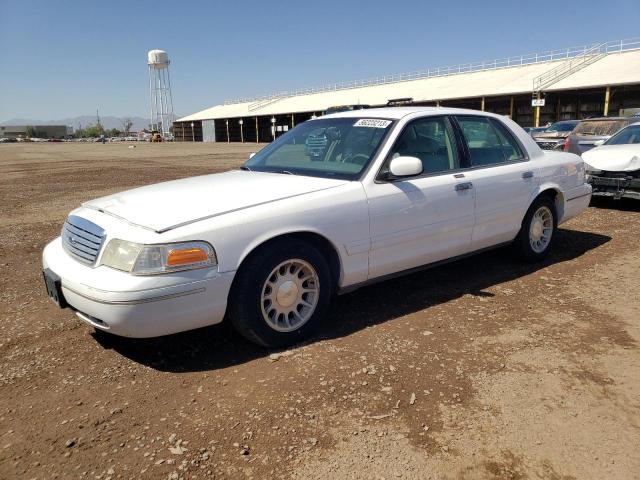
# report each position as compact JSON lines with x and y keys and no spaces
{"x":618,"y":68}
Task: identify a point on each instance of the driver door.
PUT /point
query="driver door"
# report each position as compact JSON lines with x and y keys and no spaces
{"x":423,"y":219}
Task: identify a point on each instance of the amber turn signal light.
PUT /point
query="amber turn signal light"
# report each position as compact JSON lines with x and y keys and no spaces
{"x":186,"y":256}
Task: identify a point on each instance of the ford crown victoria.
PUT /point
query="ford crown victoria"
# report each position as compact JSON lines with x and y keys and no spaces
{"x":334,"y":204}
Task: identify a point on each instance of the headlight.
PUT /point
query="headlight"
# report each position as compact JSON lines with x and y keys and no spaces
{"x":141,"y":259}
{"x":590,"y":170}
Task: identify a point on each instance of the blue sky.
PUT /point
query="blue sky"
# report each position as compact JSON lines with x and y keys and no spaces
{"x":67,"y":58}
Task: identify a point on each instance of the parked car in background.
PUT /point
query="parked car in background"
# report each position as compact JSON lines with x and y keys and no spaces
{"x":386,"y":192}
{"x":345,"y":108}
{"x":613,"y":168}
{"x":553,"y":137}
{"x":594,"y":131}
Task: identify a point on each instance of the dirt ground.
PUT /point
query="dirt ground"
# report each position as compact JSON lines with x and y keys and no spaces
{"x":482,"y":369}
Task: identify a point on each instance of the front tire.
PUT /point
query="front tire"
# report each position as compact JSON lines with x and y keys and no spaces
{"x":281,"y":293}
{"x":537,"y":232}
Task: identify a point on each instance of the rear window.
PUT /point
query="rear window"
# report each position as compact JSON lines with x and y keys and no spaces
{"x":600,"y":127}
{"x":562,"y":127}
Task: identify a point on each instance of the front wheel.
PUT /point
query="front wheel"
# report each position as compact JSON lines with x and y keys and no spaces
{"x":537,"y":231}
{"x":281,"y":293}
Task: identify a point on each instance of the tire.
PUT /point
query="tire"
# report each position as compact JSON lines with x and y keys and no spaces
{"x":537,"y":232}
{"x":281,"y":293}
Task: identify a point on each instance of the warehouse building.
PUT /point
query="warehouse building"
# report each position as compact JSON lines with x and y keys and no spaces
{"x":36,"y":131}
{"x":572,"y":83}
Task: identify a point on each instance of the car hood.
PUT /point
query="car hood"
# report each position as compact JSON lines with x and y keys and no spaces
{"x":614,"y":158}
{"x":168,"y":205}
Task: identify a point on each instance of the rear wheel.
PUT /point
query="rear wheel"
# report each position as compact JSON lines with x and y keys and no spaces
{"x":537,"y":231}
{"x":281,"y":293}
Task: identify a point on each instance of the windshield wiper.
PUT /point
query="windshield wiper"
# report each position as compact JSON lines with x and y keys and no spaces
{"x":245,"y":168}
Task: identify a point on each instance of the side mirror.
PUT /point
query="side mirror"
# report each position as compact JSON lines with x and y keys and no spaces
{"x":598,"y":143}
{"x":405,"y":166}
{"x":251,"y":155}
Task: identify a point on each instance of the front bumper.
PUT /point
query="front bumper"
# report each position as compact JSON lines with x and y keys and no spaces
{"x":619,"y":186}
{"x":139,"y":306}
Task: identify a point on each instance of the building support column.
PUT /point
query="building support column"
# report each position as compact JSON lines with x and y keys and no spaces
{"x":511,"y":102}
{"x":293,"y":121}
{"x":482,"y":104}
{"x":607,"y":97}
{"x":257,"y":132}
{"x":228,"y":138}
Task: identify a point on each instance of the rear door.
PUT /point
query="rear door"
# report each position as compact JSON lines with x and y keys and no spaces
{"x":503,"y":179}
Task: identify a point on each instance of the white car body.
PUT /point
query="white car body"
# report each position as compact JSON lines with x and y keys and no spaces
{"x":376,"y":229}
{"x":614,"y":158}
{"x":613,"y":169}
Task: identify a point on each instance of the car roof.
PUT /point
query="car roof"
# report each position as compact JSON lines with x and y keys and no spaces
{"x":397,"y":113}
{"x":601,"y":119}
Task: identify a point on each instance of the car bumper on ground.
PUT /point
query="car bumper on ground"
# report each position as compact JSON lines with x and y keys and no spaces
{"x":139,"y":306}
{"x":619,"y":186}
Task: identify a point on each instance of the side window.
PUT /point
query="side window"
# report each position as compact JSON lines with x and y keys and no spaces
{"x":510,"y":147}
{"x":431,"y":140}
{"x":489,"y":143}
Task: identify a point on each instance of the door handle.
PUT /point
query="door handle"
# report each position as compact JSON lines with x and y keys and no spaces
{"x":464,"y":186}
{"x":528,"y":174}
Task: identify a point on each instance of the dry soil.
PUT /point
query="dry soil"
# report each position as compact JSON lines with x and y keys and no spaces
{"x":482,"y":369}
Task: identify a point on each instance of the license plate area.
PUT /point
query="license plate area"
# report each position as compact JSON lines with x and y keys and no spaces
{"x":54,"y":288}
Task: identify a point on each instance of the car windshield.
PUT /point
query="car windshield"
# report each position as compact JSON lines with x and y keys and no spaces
{"x":562,"y":127}
{"x":599,"y":127}
{"x":326,"y":147}
{"x":625,"y":136}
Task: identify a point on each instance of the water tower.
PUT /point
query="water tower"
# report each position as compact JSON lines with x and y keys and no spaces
{"x":160,"y":91}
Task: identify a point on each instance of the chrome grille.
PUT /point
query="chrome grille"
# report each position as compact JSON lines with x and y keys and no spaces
{"x":82,"y":239}
{"x":549,"y":145}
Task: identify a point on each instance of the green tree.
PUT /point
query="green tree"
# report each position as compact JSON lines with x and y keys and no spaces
{"x":31,"y":131}
{"x":94,"y":131}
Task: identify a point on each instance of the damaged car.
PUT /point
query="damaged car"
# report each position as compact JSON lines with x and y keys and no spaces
{"x":613,"y":168}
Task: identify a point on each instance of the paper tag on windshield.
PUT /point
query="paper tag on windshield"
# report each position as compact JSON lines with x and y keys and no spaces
{"x":372,"y":123}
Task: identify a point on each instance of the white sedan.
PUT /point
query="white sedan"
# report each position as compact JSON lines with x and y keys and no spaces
{"x":336,"y":203}
{"x":613,"y":169}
